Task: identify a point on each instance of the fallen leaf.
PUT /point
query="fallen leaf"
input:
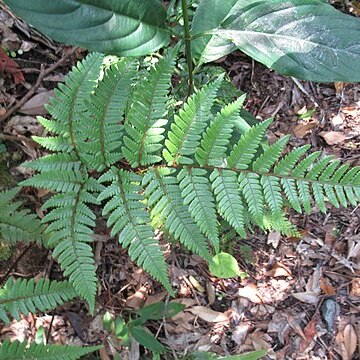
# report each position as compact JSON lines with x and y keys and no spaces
{"x":326,"y":287}
{"x":302,"y":129}
{"x":209,"y":315}
{"x":333,"y":137}
{"x":35,"y":106}
{"x":137,"y":300}
{"x":9,"y":66}
{"x":310,"y":336}
{"x":21,"y":125}
{"x":293,"y":323}
{"x":240,"y":332}
{"x":195,"y":283}
{"x":355,"y":287}
{"x":307,"y":297}
{"x":350,"y":340}
{"x":251,"y":293}
{"x":153,"y":299}
{"x":339,"y":86}
{"x":279,"y":270}
{"x":210,"y":291}
{"x":274,"y":238}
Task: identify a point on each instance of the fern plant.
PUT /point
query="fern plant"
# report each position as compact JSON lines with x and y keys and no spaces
{"x":20,"y":350}
{"x":115,"y":145}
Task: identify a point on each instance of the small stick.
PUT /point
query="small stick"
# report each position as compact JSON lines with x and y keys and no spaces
{"x":43,"y":72}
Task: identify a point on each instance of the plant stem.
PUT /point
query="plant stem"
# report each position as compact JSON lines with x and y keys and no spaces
{"x":188,"y":46}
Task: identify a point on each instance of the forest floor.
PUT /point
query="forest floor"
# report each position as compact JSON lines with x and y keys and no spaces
{"x":301,"y":296}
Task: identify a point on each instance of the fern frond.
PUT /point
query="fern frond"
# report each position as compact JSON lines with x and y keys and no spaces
{"x":69,"y":102}
{"x":102,"y":146}
{"x":25,"y":296}
{"x":56,"y":162}
{"x":20,"y":350}
{"x":244,"y":151}
{"x":185,"y":134}
{"x":147,"y":116}
{"x":198,"y":197}
{"x":228,"y":198}
{"x":129,"y":218}
{"x":17,"y":224}
{"x":215,"y":140}
{"x":70,"y":229}
{"x":164,"y":197}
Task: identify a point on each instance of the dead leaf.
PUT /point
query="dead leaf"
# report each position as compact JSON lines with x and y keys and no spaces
{"x":279,"y":270}
{"x":355,"y":287}
{"x":153,"y":299}
{"x":274,"y":238}
{"x":209,"y":315}
{"x":35,"y":106}
{"x":302,"y":129}
{"x":137,"y":300}
{"x":195,"y":283}
{"x":307,"y":297}
{"x":313,"y":284}
{"x":333,"y":137}
{"x":293,"y":323}
{"x":251,"y":293}
{"x":103,"y":354}
{"x":350,"y":340}
{"x":21,"y":125}
{"x":339,"y":86}
{"x":210,"y":291}
{"x":9,"y":66}
{"x":310,"y":336}
{"x":240,"y":332}
{"x":326,"y":287}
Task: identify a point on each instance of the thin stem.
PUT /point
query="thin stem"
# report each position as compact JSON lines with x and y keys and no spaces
{"x":188,"y":45}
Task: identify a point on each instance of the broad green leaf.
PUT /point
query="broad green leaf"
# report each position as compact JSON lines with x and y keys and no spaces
{"x":146,"y":339}
{"x":124,"y":28}
{"x":224,"y":266}
{"x":307,"y":39}
{"x":157,"y":311}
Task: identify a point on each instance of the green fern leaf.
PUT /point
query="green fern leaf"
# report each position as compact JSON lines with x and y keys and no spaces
{"x":272,"y":193}
{"x":213,"y":146}
{"x":18,"y":224}
{"x":244,"y":151}
{"x":129,"y":217}
{"x":270,"y":156}
{"x":164,"y":197}
{"x":55,"y":162}
{"x":102,"y":146}
{"x":185,"y":134}
{"x":70,"y":229}
{"x":252,"y":191}
{"x":287,"y":163}
{"x":20,"y":350}
{"x":228,"y":198}
{"x":197,"y":196}
{"x":70,"y":101}
{"x":147,"y":116}
{"x":24,"y":296}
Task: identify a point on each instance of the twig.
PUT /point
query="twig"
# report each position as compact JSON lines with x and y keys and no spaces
{"x":43,"y":72}
{"x":304,"y":91}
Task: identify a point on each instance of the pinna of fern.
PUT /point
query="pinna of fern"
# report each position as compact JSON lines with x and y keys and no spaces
{"x":186,"y":172}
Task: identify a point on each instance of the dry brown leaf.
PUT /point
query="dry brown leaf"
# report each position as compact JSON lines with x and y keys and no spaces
{"x":310,"y":336}
{"x":326,"y":287}
{"x":240,"y":332}
{"x":209,"y":315}
{"x":274,"y":238}
{"x":355,"y":287}
{"x":293,"y":323}
{"x":279,"y":270}
{"x":339,"y":86}
{"x":350,"y":340}
{"x":137,"y":300}
{"x":302,"y":129}
{"x":333,"y":137}
{"x":195,"y":283}
{"x":20,"y":125}
{"x":313,"y":284}
{"x":210,"y":291}
{"x":251,"y":293}
{"x":307,"y":297}
{"x":185,"y":301}
{"x":103,"y":354}
{"x":153,"y":299}
{"x":35,"y":106}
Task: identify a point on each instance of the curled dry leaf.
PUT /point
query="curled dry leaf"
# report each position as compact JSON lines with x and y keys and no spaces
{"x":35,"y":106}
{"x":350,"y":340}
{"x":302,"y":129}
{"x":210,"y":315}
{"x":137,"y":300}
{"x":251,"y":293}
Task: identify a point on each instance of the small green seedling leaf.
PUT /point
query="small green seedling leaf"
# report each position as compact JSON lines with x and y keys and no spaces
{"x":120,"y":327}
{"x":108,"y":322}
{"x":224,"y":266}
{"x":146,"y":339}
